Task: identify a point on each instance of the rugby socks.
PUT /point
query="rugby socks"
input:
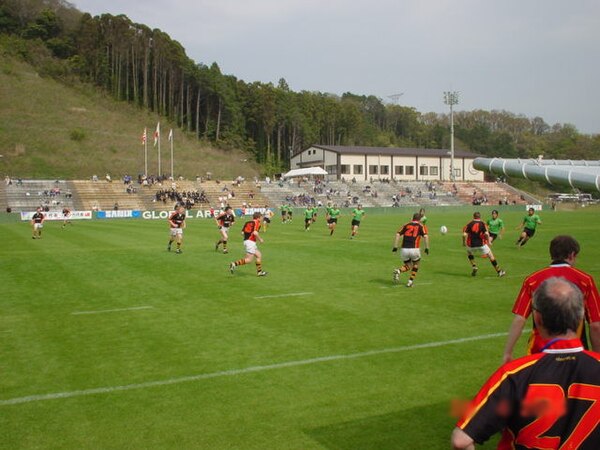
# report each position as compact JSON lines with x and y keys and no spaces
{"x":258,"y":267}
{"x":413,"y":274}
{"x":224,"y":245}
{"x":472,"y":260}
{"x":404,"y":268}
{"x":495,"y":264}
{"x":240,"y":262}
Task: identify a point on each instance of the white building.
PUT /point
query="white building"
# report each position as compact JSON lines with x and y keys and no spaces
{"x":403,"y":164}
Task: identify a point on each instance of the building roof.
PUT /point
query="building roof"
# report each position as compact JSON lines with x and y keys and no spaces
{"x":395,"y":151}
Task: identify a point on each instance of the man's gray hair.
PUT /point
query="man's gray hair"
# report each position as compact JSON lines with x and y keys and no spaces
{"x":560,"y":304}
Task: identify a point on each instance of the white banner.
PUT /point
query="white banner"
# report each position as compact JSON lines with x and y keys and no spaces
{"x":58,"y":215}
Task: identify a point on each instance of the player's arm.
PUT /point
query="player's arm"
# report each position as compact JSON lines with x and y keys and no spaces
{"x":256,"y":233}
{"x":461,"y":440}
{"x":396,"y":241}
{"x":464,"y":238}
{"x":501,"y":230}
{"x":516,"y":328}
{"x":426,"y":239}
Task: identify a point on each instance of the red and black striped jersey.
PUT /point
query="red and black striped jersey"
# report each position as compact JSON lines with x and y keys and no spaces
{"x":249,"y":228}
{"x":176,"y":219}
{"x":412,"y":232}
{"x":38,"y":217}
{"x":476,"y":233}
{"x":225,"y":220}
{"x":582,"y":280}
{"x":549,"y":400}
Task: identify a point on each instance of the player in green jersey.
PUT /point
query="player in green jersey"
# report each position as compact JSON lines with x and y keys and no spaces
{"x":308,"y":218}
{"x":423,"y":219}
{"x":495,"y":227}
{"x":333,"y":213}
{"x":284,"y":214}
{"x":357,"y":215}
{"x":529,"y":224}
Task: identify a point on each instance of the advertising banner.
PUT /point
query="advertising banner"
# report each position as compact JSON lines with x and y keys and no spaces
{"x":58,"y":215}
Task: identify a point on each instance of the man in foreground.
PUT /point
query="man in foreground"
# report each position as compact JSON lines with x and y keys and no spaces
{"x":563,"y":251}
{"x":548,"y":400}
{"x":251,"y":235}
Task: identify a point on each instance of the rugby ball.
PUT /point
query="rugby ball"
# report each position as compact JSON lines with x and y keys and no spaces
{"x":443,"y":229}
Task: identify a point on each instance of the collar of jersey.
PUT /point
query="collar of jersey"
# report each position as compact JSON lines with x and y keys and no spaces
{"x":565,"y":346}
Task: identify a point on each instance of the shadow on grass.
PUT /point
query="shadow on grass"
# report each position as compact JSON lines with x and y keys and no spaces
{"x":426,"y":427}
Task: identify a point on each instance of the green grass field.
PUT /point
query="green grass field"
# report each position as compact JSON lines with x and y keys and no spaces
{"x":111,"y":342}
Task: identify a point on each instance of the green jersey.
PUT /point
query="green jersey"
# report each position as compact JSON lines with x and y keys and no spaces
{"x":423,"y":220}
{"x":334,"y":213}
{"x":495,"y":225}
{"x":357,"y":214}
{"x":531,"y":222}
{"x":308,"y":213}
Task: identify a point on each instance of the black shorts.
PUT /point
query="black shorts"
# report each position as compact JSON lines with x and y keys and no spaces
{"x":529,"y":232}
{"x":494,"y":236}
{"x":266,"y":220}
{"x":308,"y":220}
{"x":330,"y":220}
{"x":356,"y":223}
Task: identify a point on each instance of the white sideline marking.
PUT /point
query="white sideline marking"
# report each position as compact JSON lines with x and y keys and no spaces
{"x":233,"y":372}
{"x":135,"y":308}
{"x":293,"y":294}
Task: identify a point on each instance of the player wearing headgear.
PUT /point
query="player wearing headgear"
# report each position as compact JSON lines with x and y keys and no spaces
{"x":176,"y":225}
{"x":251,"y":235}
{"x":224,"y":221}
{"x":475,"y":239}
{"x":411,"y":234}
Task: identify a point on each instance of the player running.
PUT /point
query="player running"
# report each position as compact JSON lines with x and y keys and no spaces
{"x":284,"y":213}
{"x":308,"y":217}
{"x":495,"y":226}
{"x":224,"y":221}
{"x":251,"y":235}
{"x":333,"y":212}
{"x":267,"y":218}
{"x":37,"y":223}
{"x":357,"y":215}
{"x":475,"y":238}
{"x":529,"y":224}
{"x":66,"y":217}
{"x":411,"y":233}
{"x":176,"y":224}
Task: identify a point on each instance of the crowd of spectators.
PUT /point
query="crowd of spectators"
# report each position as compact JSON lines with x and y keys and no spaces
{"x":186,"y":198}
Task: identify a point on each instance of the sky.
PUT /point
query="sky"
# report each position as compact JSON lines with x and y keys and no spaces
{"x":528,"y":57}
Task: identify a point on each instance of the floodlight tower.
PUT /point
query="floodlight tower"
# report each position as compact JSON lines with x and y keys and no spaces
{"x":395,"y":98}
{"x":451,"y":99}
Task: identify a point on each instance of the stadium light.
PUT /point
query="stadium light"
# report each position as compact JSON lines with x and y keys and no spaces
{"x":451,"y":99}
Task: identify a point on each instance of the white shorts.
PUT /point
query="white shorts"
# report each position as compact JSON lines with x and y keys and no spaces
{"x":224,"y":232}
{"x":38,"y":226}
{"x":176,"y":232}
{"x":250,"y":247}
{"x":410,"y":254}
{"x":483,"y":250}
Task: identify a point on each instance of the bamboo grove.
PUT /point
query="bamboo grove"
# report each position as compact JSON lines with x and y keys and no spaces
{"x":147,"y":68}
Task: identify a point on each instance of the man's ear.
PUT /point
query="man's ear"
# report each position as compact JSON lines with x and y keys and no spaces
{"x":537,"y":319}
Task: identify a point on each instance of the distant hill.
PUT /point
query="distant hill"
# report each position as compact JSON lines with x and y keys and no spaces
{"x":50,"y":130}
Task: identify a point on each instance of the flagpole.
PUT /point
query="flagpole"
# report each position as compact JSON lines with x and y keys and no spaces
{"x":158,"y":130}
{"x":145,"y":152}
{"x":171,"y":139}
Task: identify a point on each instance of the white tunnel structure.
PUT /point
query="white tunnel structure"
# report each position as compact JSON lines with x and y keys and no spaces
{"x":584,"y":175}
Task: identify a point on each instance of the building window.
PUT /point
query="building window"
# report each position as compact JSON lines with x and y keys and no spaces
{"x":433,"y":170}
{"x":457,"y":173}
{"x":373,"y":170}
{"x":358,"y":169}
{"x":399,"y":170}
{"x":331,"y":170}
{"x":423,"y":170}
{"x":409,"y":170}
{"x":385,"y":170}
{"x":345,"y":169}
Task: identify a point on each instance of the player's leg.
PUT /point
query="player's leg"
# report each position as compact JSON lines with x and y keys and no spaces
{"x":259,"y":271}
{"x":179,"y":240}
{"x":413,"y":273}
{"x":171,"y":239}
{"x":495,"y":265}
{"x":472,"y":262}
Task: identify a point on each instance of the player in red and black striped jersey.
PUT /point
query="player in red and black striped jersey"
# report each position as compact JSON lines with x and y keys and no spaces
{"x":563,"y":251}
{"x":66,"y":217}
{"x":411,"y":234}
{"x":176,"y":225}
{"x":550,"y":400}
{"x":476,"y":238}
{"x":251,"y":235}
{"x":37,"y":223}
{"x":224,"y":221}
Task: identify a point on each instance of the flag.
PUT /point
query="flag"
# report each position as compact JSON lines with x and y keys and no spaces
{"x":171,"y":134}
{"x":144,"y":136}
{"x":157,"y":134}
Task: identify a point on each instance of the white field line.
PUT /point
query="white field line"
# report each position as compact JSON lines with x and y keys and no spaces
{"x":243,"y":371}
{"x":134,"y":308}
{"x":293,"y":294}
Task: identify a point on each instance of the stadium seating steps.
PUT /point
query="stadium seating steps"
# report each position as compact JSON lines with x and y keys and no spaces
{"x":102,"y":195}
